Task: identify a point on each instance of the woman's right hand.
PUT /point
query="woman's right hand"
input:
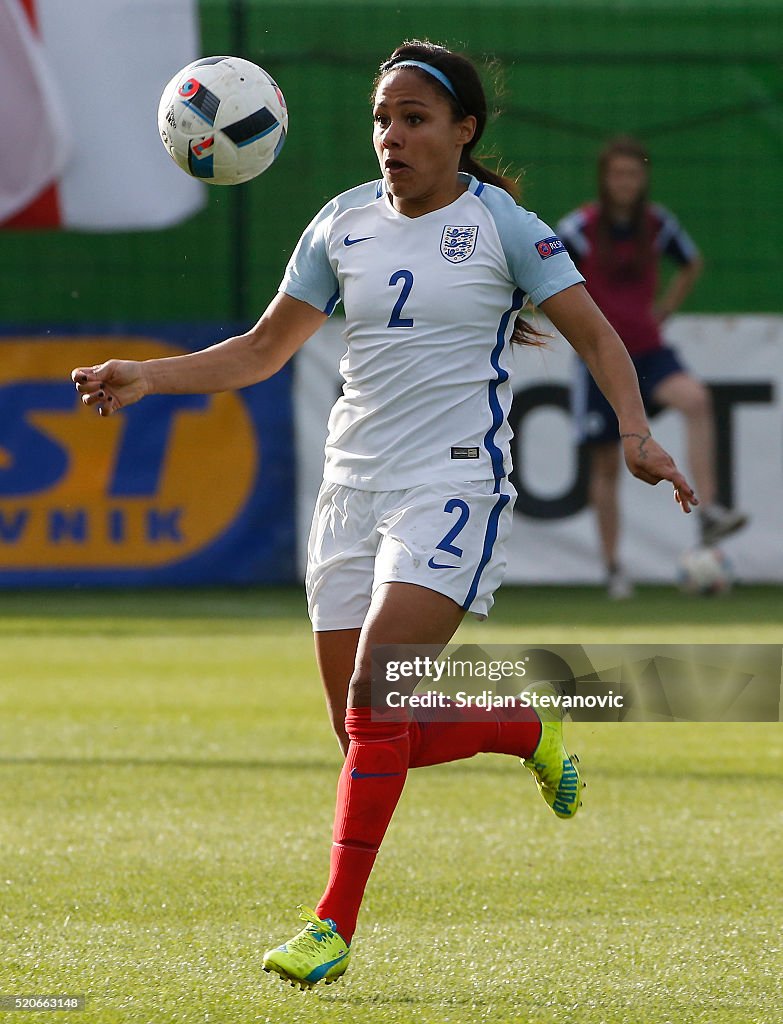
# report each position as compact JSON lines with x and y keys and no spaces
{"x":112,"y":385}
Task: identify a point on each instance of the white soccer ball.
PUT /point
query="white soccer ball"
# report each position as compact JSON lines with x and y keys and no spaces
{"x":223,"y":120}
{"x":705,"y":571}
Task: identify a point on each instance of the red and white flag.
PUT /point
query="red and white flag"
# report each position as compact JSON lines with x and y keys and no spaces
{"x":80,"y":84}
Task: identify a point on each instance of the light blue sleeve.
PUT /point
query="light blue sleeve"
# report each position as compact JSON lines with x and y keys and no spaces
{"x":537,"y":259}
{"x":309,"y":275}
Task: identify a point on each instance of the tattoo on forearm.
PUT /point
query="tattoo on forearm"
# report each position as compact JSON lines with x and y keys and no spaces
{"x":643,"y":439}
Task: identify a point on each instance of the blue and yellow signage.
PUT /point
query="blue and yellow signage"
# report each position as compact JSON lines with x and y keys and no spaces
{"x":184,"y":488}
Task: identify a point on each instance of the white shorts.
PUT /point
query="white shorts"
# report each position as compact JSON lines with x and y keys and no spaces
{"x":448,"y":537}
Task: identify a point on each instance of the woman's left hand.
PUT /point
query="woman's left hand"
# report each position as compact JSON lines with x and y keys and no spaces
{"x":647,"y":461}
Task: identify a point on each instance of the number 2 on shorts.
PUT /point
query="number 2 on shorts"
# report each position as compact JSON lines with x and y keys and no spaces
{"x":447,"y":544}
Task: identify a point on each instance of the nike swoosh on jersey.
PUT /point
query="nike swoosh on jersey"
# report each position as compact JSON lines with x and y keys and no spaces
{"x":356,"y":774}
{"x":438,"y":565}
{"x":353,"y":241}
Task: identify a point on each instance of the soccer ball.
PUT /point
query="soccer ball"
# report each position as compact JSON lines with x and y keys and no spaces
{"x":705,"y":571}
{"x":222,"y":120}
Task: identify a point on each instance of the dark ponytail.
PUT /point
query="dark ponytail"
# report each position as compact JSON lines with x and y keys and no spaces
{"x":470,"y":99}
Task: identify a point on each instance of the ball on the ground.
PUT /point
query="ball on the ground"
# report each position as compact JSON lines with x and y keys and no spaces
{"x":223,"y":120}
{"x":705,"y":571}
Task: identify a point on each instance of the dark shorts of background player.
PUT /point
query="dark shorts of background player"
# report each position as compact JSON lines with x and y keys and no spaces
{"x":595,"y":420}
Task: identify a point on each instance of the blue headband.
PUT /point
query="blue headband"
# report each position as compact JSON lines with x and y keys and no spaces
{"x":430,"y":71}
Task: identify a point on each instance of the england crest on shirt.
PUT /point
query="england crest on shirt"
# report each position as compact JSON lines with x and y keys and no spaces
{"x":458,"y":242}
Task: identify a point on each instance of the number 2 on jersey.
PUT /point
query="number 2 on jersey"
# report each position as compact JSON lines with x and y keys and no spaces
{"x":395,"y":320}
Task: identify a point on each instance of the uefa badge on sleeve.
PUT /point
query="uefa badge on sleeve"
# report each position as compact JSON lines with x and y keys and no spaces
{"x":458,"y":242}
{"x":550,"y":247}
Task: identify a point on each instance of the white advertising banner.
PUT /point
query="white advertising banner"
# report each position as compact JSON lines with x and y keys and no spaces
{"x":554,"y":538}
{"x":81,"y":84}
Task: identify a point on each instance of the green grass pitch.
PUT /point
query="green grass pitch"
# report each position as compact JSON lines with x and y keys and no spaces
{"x":167,"y":777}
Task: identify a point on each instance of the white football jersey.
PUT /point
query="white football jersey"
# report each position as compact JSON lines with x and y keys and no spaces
{"x":430,"y":304}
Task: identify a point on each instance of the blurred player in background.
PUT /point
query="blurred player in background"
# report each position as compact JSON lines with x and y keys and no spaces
{"x":618,"y":243}
{"x":432,"y":263}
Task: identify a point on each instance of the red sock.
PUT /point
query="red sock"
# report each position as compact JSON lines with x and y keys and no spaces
{"x":371,"y":781}
{"x":514,"y":731}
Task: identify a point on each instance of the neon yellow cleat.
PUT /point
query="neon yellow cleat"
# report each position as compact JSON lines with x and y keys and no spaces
{"x":317,"y":953}
{"x":553,"y":768}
